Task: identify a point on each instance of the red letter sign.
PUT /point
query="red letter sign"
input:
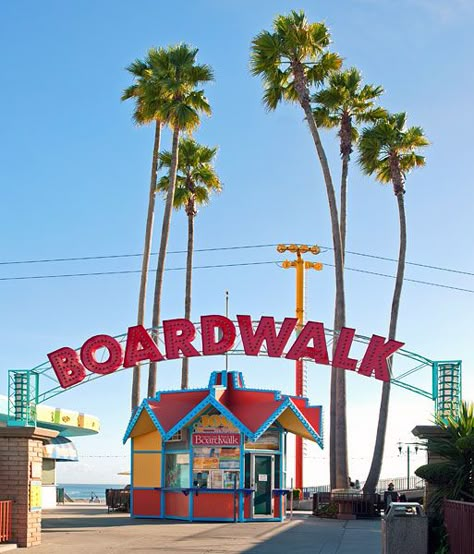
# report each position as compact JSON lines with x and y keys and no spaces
{"x":344,"y":343}
{"x":67,"y":367}
{"x":319,"y":351}
{"x":209,"y":324}
{"x":252,"y":342}
{"x":375,"y":359}
{"x":90,"y":347}
{"x":140,"y":346}
{"x":179,"y":333}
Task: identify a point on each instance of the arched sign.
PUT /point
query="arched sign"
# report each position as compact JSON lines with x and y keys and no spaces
{"x":218,"y":336}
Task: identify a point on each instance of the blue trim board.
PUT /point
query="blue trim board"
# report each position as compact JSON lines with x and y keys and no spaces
{"x":217,"y":519}
{"x":154,"y":419}
{"x":133,"y":420}
{"x":132,"y":488}
{"x":147,"y":451}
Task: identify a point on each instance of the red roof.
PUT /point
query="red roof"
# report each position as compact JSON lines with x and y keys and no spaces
{"x":253,"y":410}
{"x":173,"y":406}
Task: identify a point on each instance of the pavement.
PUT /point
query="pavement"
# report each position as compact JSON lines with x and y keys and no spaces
{"x":91,"y":530}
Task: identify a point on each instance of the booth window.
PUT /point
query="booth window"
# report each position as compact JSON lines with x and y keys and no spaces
{"x":216,"y":467}
{"x":177,"y":470}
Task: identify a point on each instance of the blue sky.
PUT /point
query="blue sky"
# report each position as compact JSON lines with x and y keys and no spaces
{"x":74,"y":172}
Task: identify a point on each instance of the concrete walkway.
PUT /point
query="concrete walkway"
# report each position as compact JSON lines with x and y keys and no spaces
{"x":90,"y":530}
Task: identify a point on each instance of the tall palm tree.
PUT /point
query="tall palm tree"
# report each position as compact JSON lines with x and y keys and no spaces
{"x":290,"y":60}
{"x":389,"y":151}
{"x":179,"y":76}
{"x":196,"y":180}
{"x":147,"y":94}
{"x":344,"y":103}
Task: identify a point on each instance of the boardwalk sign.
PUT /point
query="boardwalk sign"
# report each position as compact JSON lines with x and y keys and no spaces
{"x":218,"y":335}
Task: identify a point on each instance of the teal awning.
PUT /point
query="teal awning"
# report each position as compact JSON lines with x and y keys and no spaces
{"x":60,"y":449}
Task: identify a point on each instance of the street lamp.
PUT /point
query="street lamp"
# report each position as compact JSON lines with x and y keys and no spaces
{"x":407,"y":445}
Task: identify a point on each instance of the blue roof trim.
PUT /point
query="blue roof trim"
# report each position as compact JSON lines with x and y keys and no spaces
{"x":133,"y":420}
{"x":231,"y":417}
{"x":306,"y":424}
{"x":154,"y":419}
{"x":160,"y":393}
{"x":275,"y":415}
{"x":188,"y":417}
{"x":213,"y":379}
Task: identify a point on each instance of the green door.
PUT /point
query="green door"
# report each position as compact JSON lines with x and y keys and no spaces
{"x":263,"y":485}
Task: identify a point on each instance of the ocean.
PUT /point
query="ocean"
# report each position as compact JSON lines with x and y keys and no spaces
{"x":84,"y":490}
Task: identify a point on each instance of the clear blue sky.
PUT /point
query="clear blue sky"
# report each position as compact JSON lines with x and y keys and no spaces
{"x":74,"y":172}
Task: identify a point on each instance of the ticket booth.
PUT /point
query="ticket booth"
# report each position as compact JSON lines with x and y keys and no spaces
{"x":216,"y":454}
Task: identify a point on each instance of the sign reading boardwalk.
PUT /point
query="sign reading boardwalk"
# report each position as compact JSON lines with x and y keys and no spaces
{"x":218,"y":336}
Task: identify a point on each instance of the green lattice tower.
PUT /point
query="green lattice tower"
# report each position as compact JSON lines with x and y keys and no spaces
{"x":23,"y":386}
{"x":447,"y":388}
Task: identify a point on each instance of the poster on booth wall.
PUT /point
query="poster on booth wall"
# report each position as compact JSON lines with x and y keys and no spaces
{"x":216,"y":481}
{"x":35,"y":496}
{"x":231,"y":479}
{"x":270,"y":440}
{"x":229,"y":458}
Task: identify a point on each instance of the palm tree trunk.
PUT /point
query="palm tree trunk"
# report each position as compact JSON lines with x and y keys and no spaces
{"x":338,"y":423}
{"x":187,"y":299}
{"x":338,"y":435}
{"x":343,"y":225}
{"x":338,"y":386}
{"x":165,"y":230}
{"x":146,"y":256}
{"x":346,"y":150}
{"x":377,"y":457}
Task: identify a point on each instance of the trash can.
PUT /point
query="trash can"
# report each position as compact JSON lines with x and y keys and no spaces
{"x":59,"y":495}
{"x":404,"y":529}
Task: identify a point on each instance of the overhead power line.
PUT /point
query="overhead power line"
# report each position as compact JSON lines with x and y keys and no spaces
{"x":217,"y":266}
{"x":118,"y":256}
{"x":222,"y":249}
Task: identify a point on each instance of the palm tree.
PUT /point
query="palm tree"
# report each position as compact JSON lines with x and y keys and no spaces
{"x":147,"y":94}
{"x":346,"y":104}
{"x":388,"y":150}
{"x":179,"y":76}
{"x":196,"y":180}
{"x":291,"y":59}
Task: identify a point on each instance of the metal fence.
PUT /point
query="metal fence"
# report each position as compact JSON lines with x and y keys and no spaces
{"x":5,"y":520}
{"x":400,"y":484}
{"x":459,"y":521}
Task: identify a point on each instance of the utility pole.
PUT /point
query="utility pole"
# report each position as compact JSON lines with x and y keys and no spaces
{"x":300,"y":265}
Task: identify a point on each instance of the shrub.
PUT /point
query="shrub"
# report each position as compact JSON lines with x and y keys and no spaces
{"x":328,"y":511}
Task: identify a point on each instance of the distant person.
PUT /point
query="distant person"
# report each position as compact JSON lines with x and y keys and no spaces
{"x":94,"y":498}
{"x":390,"y":495}
{"x":357,"y":484}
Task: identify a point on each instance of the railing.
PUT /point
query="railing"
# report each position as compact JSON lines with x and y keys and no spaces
{"x":459,"y":521}
{"x":117,"y":499}
{"x":358,"y":504}
{"x":400,"y":484}
{"x":5,"y":520}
